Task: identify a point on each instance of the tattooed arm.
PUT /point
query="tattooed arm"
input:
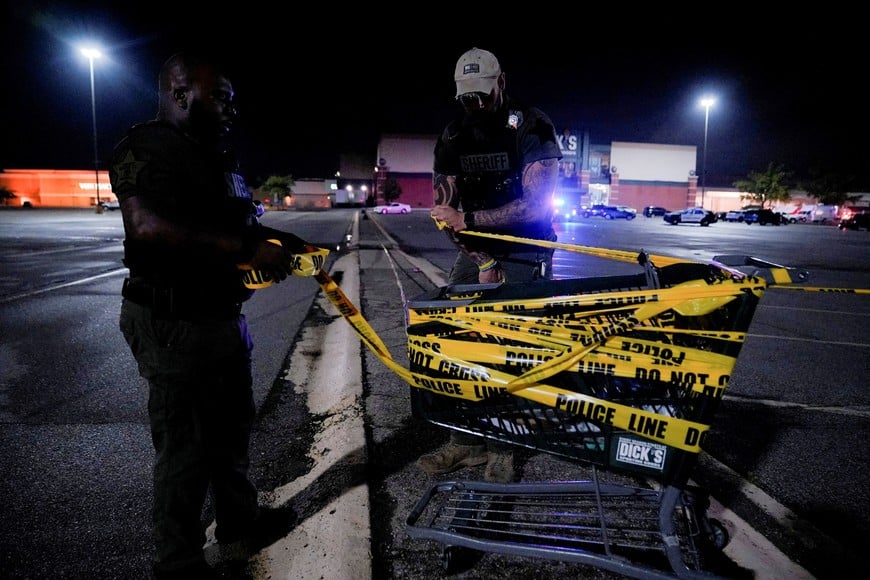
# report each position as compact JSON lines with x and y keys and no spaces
{"x":444,"y":190}
{"x":539,"y":184}
{"x":446,"y":210}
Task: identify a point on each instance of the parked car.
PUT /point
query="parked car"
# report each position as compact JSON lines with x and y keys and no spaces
{"x":801,"y":216}
{"x":394,"y":207}
{"x":611,"y":212}
{"x":652,"y":210}
{"x":111,"y":205}
{"x":614,"y":212}
{"x":735,"y":215}
{"x":856,"y":222}
{"x":824,"y":214}
{"x":592,"y":211}
{"x":691,"y":215}
{"x":848,"y":213}
{"x":761,"y":216}
{"x":564,"y":212}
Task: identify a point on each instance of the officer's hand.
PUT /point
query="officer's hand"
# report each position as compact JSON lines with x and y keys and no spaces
{"x":454,"y":219}
{"x":274,"y":260}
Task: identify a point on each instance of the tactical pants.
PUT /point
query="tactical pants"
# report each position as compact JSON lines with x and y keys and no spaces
{"x":201,"y":411}
{"x":520,"y":267}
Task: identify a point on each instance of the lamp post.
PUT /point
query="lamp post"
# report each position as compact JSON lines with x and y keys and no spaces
{"x":91,"y":54}
{"x":706,"y":102}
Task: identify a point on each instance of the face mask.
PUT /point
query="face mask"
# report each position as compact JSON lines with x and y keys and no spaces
{"x":475,"y":101}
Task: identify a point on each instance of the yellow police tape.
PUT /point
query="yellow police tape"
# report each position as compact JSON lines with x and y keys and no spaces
{"x":509,"y":347}
{"x":827,"y":290}
{"x":305,"y":264}
{"x":781,"y":276}
{"x":619,"y":255}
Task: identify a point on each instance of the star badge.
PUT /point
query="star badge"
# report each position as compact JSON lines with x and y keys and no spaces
{"x":127,"y":171}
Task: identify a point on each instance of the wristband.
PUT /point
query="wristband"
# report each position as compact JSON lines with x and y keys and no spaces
{"x":488,"y":265}
{"x":468,"y":217}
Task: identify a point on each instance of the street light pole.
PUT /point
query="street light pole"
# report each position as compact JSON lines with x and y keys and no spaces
{"x":91,"y":54}
{"x":706,"y":103}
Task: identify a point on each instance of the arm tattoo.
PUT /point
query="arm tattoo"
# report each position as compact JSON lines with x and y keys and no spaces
{"x":444,"y":190}
{"x":539,"y":184}
{"x":445,"y":193}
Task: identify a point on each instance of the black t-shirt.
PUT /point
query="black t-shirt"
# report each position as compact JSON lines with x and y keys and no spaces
{"x":190,"y":184}
{"x":487,"y":155}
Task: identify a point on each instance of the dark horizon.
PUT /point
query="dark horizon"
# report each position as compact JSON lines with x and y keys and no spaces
{"x":308,"y":93}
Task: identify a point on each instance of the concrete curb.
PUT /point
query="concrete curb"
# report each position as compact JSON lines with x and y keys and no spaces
{"x":335,"y":542}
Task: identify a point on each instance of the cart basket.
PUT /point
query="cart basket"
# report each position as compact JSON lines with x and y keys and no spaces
{"x":639,"y":399}
{"x":621,"y":374}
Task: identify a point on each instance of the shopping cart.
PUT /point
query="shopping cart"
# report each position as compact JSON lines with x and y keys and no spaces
{"x":621,"y":374}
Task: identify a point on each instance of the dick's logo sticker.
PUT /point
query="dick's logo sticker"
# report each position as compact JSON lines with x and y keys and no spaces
{"x":641,"y":453}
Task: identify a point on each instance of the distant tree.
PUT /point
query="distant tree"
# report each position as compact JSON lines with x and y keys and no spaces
{"x":6,"y":194}
{"x":765,"y":187}
{"x":392,"y":190}
{"x":829,"y":188}
{"x":276,"y":187}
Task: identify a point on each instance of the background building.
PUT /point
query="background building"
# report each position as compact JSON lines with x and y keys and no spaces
{"x":355,"y":181}
{"x":311,"y":194}
{"x":621,"y":173}
{"x":56,"y":187}
{"x":408,"y":160}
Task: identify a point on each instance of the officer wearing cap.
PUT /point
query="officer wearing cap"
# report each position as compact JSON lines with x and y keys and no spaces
{"x":496,"y":170}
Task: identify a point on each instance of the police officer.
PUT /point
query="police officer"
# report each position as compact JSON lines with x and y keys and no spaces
{"x":189,"y":221}
{"x":496,"y":170}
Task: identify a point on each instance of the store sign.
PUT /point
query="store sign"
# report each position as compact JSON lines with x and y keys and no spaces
{"x":569,"y":145}
{"x":92,"y":186}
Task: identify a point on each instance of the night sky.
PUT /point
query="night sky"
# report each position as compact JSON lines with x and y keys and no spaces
{"x":311,"y":86}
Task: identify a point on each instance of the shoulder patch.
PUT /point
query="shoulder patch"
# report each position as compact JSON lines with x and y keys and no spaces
{"x":127,"y":170}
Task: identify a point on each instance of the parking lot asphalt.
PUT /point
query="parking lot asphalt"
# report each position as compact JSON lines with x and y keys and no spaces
{"x":361,"y":533}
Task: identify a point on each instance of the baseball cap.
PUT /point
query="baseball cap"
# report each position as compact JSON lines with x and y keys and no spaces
{"x":476,"y":72}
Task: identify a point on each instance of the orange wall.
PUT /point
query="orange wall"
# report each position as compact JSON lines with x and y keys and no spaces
{"x":56,"y":187}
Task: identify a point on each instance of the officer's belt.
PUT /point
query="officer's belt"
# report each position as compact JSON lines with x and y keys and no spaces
{"x":179,"y":303}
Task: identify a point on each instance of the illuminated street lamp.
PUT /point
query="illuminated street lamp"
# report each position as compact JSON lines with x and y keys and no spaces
{"x":706,"y":102}
{"x":91,"y":54}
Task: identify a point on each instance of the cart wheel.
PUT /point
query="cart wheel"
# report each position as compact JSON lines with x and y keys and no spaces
{"x":455,"y":559}
{"x":448,"y":559}
{"x":718,"y":534}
